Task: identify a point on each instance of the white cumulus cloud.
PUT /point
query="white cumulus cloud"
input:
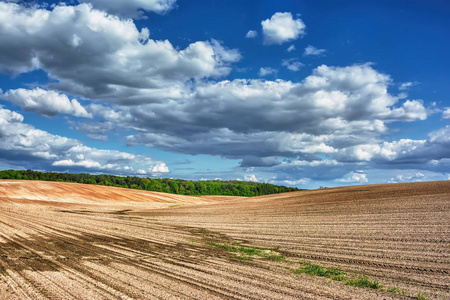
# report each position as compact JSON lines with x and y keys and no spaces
{"x":446,"y":113}
{"x":408,"y":177}
{"x":406,"y":85}
{"x":334,"y":111}
{"x":267,"y":71}
{"x":160,"y":168}
{"x":38,"y":149}
{"x":281,"y":28}
{"x":311,"y":50}
{"x":251,"y":34}
{"x":251,"y":178}
{"x":433,"y":151}
{"x":301,"y":181}
{"x":291,"y":48}
{"x":123,"y":64}
{"x":45,"y":103}
{"x":354,"y":177}
{"x":292,"y":64}
{"x":132,"y":8}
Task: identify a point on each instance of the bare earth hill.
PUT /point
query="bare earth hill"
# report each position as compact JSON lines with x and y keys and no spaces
{"x":72,"y":241}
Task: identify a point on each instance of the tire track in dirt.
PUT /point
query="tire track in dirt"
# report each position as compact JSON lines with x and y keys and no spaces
{"x":53,"y":265}
{"x":14,"y":284}
{"x":111,"y":254}
{"x":68,"y":265}
{"x":170,"y":275}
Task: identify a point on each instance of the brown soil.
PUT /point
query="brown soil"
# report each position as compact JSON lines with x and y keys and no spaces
{"x":72,"y":241}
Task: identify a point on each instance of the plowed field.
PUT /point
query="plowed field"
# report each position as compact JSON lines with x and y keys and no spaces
{"x":72,"y":241}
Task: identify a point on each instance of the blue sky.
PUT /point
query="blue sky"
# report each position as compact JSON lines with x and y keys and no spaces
{"x":299,"y":93}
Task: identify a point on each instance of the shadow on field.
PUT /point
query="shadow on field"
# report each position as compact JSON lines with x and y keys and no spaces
{"x":57,"y":249}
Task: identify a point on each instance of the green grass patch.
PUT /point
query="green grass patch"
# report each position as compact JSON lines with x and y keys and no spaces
{"x":339,"y":275}
{"x":316,"y":270}
{"x":421,"y":296}
{"x":363,"y":281}
{"x":115,"y":228}
{"x":247,"y":253}
{"x":394,"y":290}
{"x":275,"y":257}
{"x":238,"y":249}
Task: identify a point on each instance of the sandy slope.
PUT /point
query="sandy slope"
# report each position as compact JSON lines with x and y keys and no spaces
{"x":70,"y":241}
{"x":43,"y":192}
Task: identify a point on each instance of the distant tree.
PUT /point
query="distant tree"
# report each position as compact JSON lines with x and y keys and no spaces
{"x":175,"y":186}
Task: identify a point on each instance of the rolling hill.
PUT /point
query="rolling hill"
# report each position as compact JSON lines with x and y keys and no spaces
{"x":72,"y":241}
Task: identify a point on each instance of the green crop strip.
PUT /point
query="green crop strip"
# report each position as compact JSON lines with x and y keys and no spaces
{"x":336,"y":274}
{"x":316,"y":270}
{"x":248,"y":253}
{"x":363,"y":281}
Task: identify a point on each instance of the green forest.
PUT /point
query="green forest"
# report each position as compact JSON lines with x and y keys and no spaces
{"x":166,"y":185}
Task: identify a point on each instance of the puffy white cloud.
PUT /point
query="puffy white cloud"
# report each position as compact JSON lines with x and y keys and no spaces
{"x":386,"y":151}
{"x":123,"y":63}
{"x":338,"y":111}
{"x":281,"y":27}
{"x":21,"y":140}
{"x":38,"y":149}
{"x":132,"y":8}
{"x":88,"y":164}
{"x":411,"y":110}
{"x":313,"y":163}
{"x":301,"y":181}
{"x":292,"y":64}
{"x":251,"y":177}
{"x":9,"y":117}
{"x":446,"y":113}
{"x":440,"y":136}
{"x":267,"y":71}
{"x":354,"y":177}
{"x":160,"y":168}
{"x":408,"y":177}
{"x":291,"y":48}
{"x":45,"y":103}
{"x":325,"y":172}
{"x":251,"y":34}
{"x":311,"y":50}
{"x":304,"y":143}
{"x":405,"y":151}
{"x":406,"y":85}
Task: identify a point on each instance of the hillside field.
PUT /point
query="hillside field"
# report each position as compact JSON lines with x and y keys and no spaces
{"x":73,"y":241}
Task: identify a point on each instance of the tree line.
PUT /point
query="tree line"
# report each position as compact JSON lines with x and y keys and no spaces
{"x":166,"y":185}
